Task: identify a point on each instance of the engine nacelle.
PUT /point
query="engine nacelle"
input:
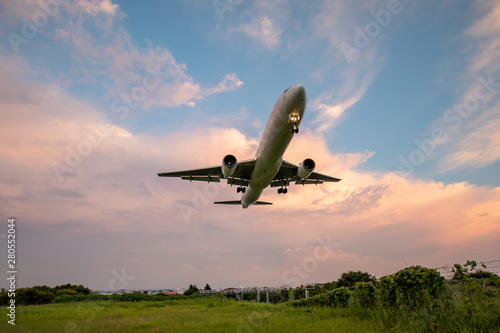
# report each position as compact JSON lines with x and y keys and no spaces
{"x":305,"y":168}
{"x":229,"y":163}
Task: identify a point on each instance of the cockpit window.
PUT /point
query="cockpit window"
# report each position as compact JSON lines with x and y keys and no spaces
{"x":286,"y":90}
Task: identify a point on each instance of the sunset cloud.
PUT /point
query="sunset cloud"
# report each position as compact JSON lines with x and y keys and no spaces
{"x":117,"y":183}
{"x":79,"y":167}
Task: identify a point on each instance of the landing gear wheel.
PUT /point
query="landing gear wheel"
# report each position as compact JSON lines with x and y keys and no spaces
{"x":241,"y":189}
{"x":295,"y":129}
{"x":282,"y":191}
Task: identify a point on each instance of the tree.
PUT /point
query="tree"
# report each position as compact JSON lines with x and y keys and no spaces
{"x":418,"y":286}
{"x":350,"y":278}
{"x":207,"y":287}
{"x":192,"y":290}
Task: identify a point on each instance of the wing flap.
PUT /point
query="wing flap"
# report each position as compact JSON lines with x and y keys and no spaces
{"x":238,"y":202}
{"x":309,"y":181}
{"x":232,"y":202}
{"x":280,"y":182}
{"x":211,"y":171}
{"x":238,"y":181}
{"x":209,"y":179}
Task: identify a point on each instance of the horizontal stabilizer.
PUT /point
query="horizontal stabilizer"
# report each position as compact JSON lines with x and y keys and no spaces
{"x":238,"y":202}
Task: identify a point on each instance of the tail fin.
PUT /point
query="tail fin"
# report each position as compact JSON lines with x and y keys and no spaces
{"x":238,"y":202}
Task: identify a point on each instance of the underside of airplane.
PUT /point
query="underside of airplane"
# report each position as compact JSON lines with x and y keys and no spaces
{"x":267,"y":168}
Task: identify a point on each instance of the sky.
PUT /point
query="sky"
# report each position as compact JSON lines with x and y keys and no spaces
{"x":99,"y":96}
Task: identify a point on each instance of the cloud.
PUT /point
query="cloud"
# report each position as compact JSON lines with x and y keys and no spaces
{"x":478,"y":148}
{"x":378,"y":220}
{"x":486,"y":31}
{"x":264,"y":30}
{"x":149,"y":76}
{"x":229,"y":83}
{"x":332,"y":108}
{"x":111,"y":210}
{"x":96,"y":7}
{"x":472,"y":138}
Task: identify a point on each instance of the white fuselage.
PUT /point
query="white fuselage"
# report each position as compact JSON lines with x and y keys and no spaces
{"x":287,"y":113}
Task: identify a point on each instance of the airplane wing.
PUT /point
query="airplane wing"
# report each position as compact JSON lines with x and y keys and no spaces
{"x":241,"y":175}
{"x":288,"y":173}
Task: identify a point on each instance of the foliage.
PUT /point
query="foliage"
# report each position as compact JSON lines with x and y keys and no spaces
{"x":387,"y":286}
{"x":342,"y":296}
{"x":192,"y":290}
{"x":418,"y":286}
{"x":35,"y":295}
{"x":337,"y":297}
{"x":207,"y":287}
{"x":350,"y":278}
{"x":71,"y":289}
{"x":364,"y":293}
{"x":328,"y":286}
{"x":470,"y":288}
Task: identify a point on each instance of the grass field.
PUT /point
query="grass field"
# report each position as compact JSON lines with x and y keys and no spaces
{"x":213,"y":314}
{"x":201,"y":315}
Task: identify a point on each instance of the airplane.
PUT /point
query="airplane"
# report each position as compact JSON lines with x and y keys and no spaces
{"x":267,"y":168}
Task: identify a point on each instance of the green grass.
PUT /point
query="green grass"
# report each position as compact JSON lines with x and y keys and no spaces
{"x":201,"y":315}
{"x":211,"y":314}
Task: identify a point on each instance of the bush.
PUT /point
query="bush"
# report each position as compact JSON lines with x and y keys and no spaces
{"x":418,"y":286}
{"x":342,"y":296}
{"x":364,"y":293}
{"x":388,"y":295}
{"x":350,"y":279}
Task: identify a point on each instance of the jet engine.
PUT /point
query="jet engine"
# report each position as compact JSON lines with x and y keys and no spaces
{"x":305,"y":168}
{"x":229,"y":163}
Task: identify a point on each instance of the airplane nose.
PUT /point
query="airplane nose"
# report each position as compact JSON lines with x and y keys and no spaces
{"x":299,"y":93}
{"x":300,"y":89}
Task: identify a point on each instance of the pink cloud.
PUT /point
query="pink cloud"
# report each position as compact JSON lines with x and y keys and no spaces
{"x":112,"y":207}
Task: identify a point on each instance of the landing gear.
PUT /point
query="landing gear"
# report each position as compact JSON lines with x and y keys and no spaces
{"x":282,"y":190}
{"x":241,"y":189}
{"x":294,"y":119}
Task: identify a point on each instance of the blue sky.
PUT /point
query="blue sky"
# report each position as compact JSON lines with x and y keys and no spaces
{"x":409,"y":119}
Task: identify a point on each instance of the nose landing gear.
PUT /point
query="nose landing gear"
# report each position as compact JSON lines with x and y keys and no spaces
{"x":294,"y":119}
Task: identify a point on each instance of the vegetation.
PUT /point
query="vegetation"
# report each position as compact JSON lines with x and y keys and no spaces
{"x":192,"y":290}
{"x":415,"y":299}
{"x":43,"y":294}
{"x":198,"y":314}
{"x":418,"y":299}
{"x":350,"y":279}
